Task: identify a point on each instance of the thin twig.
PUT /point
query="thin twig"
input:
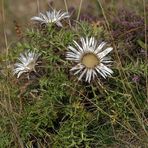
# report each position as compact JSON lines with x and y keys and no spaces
{"x":66,"y":6}
{"x":79,"y":11}
{"x":145,"y":29}
{"x":38,"y":6}
{"x":4,"y":28}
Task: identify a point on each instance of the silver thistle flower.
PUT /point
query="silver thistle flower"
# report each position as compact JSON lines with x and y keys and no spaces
{"x":26,"y":64}
{"x":90,"y":58}
{"x":51,"y":17}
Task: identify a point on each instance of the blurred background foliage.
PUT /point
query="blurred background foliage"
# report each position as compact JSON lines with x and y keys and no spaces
{"x":18,"y":12}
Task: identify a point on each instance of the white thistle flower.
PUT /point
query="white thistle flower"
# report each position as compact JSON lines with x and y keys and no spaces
{"x":27,"y":63}
{"x":90,"y":58}
{"x":51,"y":17}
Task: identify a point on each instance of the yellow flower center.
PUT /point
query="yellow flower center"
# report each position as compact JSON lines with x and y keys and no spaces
{"x":90,"y":60}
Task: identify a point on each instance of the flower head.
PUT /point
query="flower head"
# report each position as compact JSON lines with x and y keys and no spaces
{"x":51,"y":17}
{"x":27,"y":63}
{"x":90,"y":58}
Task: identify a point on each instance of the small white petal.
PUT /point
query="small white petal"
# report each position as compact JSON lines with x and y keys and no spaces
{"x":88,"y":75}
{"x":87,"y":42}
{"x":98,"y":70}
{"x":90,"y":42}
{"x":74,"y":50}
{"x":59,"y":24}
{"x":99,"y":48}
{"x":36,"y":18}
{"x":82,"y":74}
{"x":78,"y":71}
{"x":83,"y":43}
{"x":78,"y":46}
{"x":105,"y":52}
{"x":106,"y":62}
{"x":20,"y":73}
{"x":78,"y":66}
{"x":94,"y":74}
{"x":72,"y":56}
{"x":105,"y":69}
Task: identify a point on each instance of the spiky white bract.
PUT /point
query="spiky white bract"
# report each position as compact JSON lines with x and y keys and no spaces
{"x":90,"y":58}
{"x":51,"y":17}
{"x":27,"y":63}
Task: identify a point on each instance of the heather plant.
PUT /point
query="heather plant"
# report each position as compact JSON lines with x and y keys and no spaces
{"x":45,"y":104}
